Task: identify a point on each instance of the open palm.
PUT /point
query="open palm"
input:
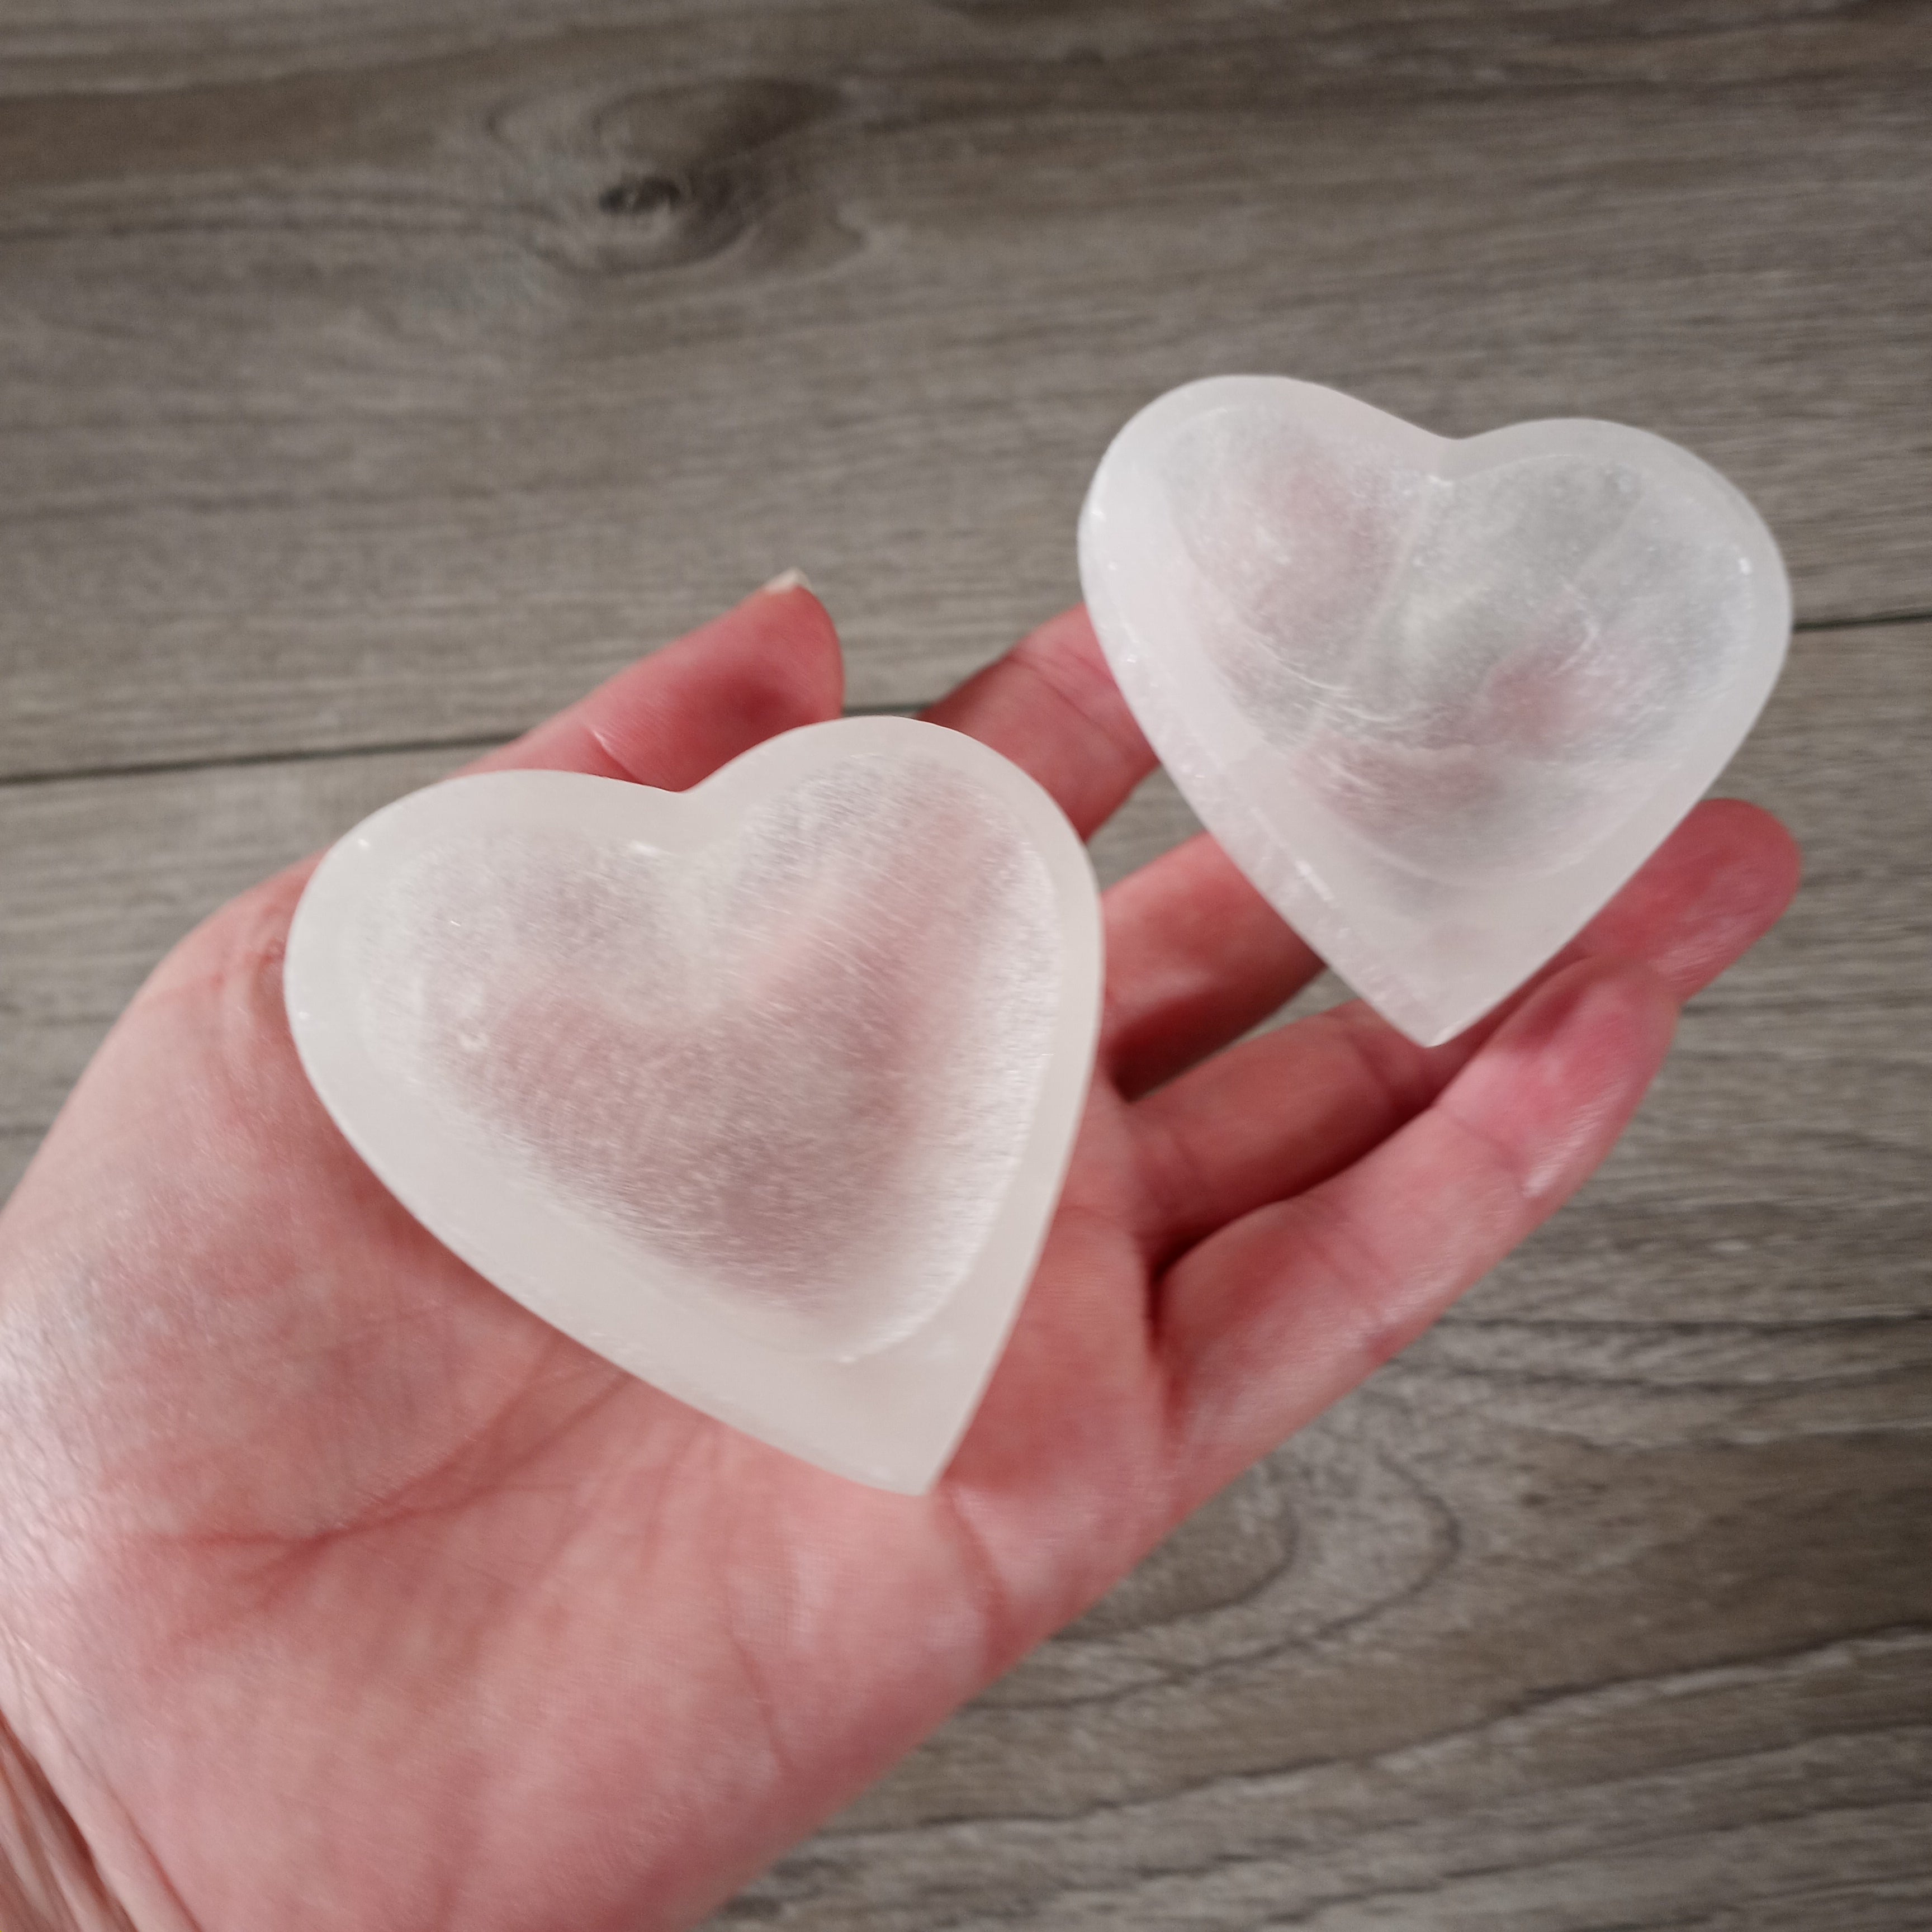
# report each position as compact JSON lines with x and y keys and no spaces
{"x":337,"y":1589}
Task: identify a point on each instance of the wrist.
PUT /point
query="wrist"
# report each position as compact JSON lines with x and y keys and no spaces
{"x":49,"y":1880}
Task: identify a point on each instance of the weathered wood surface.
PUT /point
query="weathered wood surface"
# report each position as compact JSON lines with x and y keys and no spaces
{"x":369,"y":382}
{"x":349,"y":417}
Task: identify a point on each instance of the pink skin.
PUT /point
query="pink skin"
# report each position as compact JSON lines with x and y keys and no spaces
{"x":339,"y":1591}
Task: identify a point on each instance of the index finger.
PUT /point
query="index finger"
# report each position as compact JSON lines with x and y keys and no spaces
{"x":768,"y":665}
{"x":1051,"y":705}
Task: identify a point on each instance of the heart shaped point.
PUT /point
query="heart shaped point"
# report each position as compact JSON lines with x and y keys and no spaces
{"x":1438,"y":700}
{"x":765,"y":1090}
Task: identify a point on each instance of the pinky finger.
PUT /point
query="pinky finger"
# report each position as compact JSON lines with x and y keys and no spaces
{"x":1282,"y":1312}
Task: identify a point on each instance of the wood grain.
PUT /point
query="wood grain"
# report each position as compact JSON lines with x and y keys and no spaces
{"x":373,"y":377}
{"x":366,"y":384}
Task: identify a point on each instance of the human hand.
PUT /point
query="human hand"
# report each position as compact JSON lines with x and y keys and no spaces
{"x":338,"y":1589}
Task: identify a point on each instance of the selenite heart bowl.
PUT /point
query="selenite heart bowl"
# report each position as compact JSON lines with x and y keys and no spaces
{"x":1438,"y":700}
{"x":764,"y":1090}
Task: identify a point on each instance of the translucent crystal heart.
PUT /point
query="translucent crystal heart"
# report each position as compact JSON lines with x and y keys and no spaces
{"x":1438,"y":700}
{"x":764,"y":1090}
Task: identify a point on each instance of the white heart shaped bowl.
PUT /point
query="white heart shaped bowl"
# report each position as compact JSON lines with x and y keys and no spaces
{"x":1437,"y":699}
{"x":764,"y":1091}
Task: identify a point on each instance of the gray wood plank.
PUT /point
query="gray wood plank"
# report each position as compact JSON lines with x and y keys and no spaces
{"x":1786,"y":1793}
{"x":370,"y":378}
{"x":99,"y":877}
{"x":77,"y":45}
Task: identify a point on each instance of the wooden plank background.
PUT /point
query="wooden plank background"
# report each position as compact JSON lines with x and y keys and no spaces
{"x":375,"y":377}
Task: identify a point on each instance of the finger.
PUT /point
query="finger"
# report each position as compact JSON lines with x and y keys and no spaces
{"x":674,"y":717}
{"x":1285,"y":1111}
{"x":1730,"y":864}
{"x":1195,"y":956}
{"x":1267,"y":1322}
{"x":1052,"y":706}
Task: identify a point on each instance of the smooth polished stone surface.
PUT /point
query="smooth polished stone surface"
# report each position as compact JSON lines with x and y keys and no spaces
{"x":764,"y":1090}
{"x":1437,"y":699}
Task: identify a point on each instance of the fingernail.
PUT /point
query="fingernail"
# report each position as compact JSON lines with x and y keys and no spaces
{"x":793,"y":579}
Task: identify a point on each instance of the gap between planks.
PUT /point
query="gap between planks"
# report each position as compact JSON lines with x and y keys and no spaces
{"x":320,"y":754}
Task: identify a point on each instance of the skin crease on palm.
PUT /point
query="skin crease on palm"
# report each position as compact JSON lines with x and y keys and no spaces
{"x":337,"y":1590}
